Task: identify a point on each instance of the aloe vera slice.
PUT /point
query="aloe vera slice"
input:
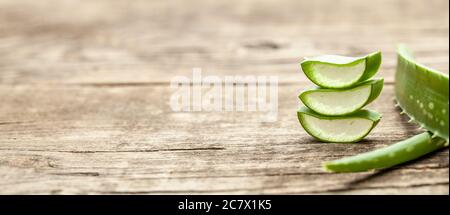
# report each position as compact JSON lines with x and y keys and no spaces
{"x":334,"y":71}
{"x":337,"y":102}
{"x":339,"y":129}
{"x":422,"y":93}
{"x":389,"y":156}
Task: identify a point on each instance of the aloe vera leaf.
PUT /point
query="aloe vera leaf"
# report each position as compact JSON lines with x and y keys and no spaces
{"x":338,"y":129}
{"x":422,"y":93}
{"x":338,"y":102}
{"x":334,"y":71}
{"x":389,"y":156}
{"x":416,"y":87}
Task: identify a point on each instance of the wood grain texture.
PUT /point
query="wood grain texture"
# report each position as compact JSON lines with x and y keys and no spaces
{"x":84,"y":89}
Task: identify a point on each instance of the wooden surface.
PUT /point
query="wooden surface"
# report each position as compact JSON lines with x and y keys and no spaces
{"x":84,"y":89}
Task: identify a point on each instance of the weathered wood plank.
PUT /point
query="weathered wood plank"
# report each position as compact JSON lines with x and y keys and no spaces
{"x":157,"y":42}
{"x":133,"y":143}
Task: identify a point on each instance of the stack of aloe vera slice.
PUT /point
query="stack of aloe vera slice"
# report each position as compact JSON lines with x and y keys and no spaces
{"x":333,"y":111}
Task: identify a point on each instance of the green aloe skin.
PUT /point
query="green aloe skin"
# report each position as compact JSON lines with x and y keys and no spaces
{"x":337,"y":72}
{"x":339,"y":102}
{"x":422,"y":94}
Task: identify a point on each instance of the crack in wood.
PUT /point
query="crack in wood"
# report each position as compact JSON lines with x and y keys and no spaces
{"x":14,"y":122}
{"x":121,"y":151}
{"x":78,"y":174}
{"x":263,"y":190}
{"x":343,"y":189}
{"x":143,"y":84}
